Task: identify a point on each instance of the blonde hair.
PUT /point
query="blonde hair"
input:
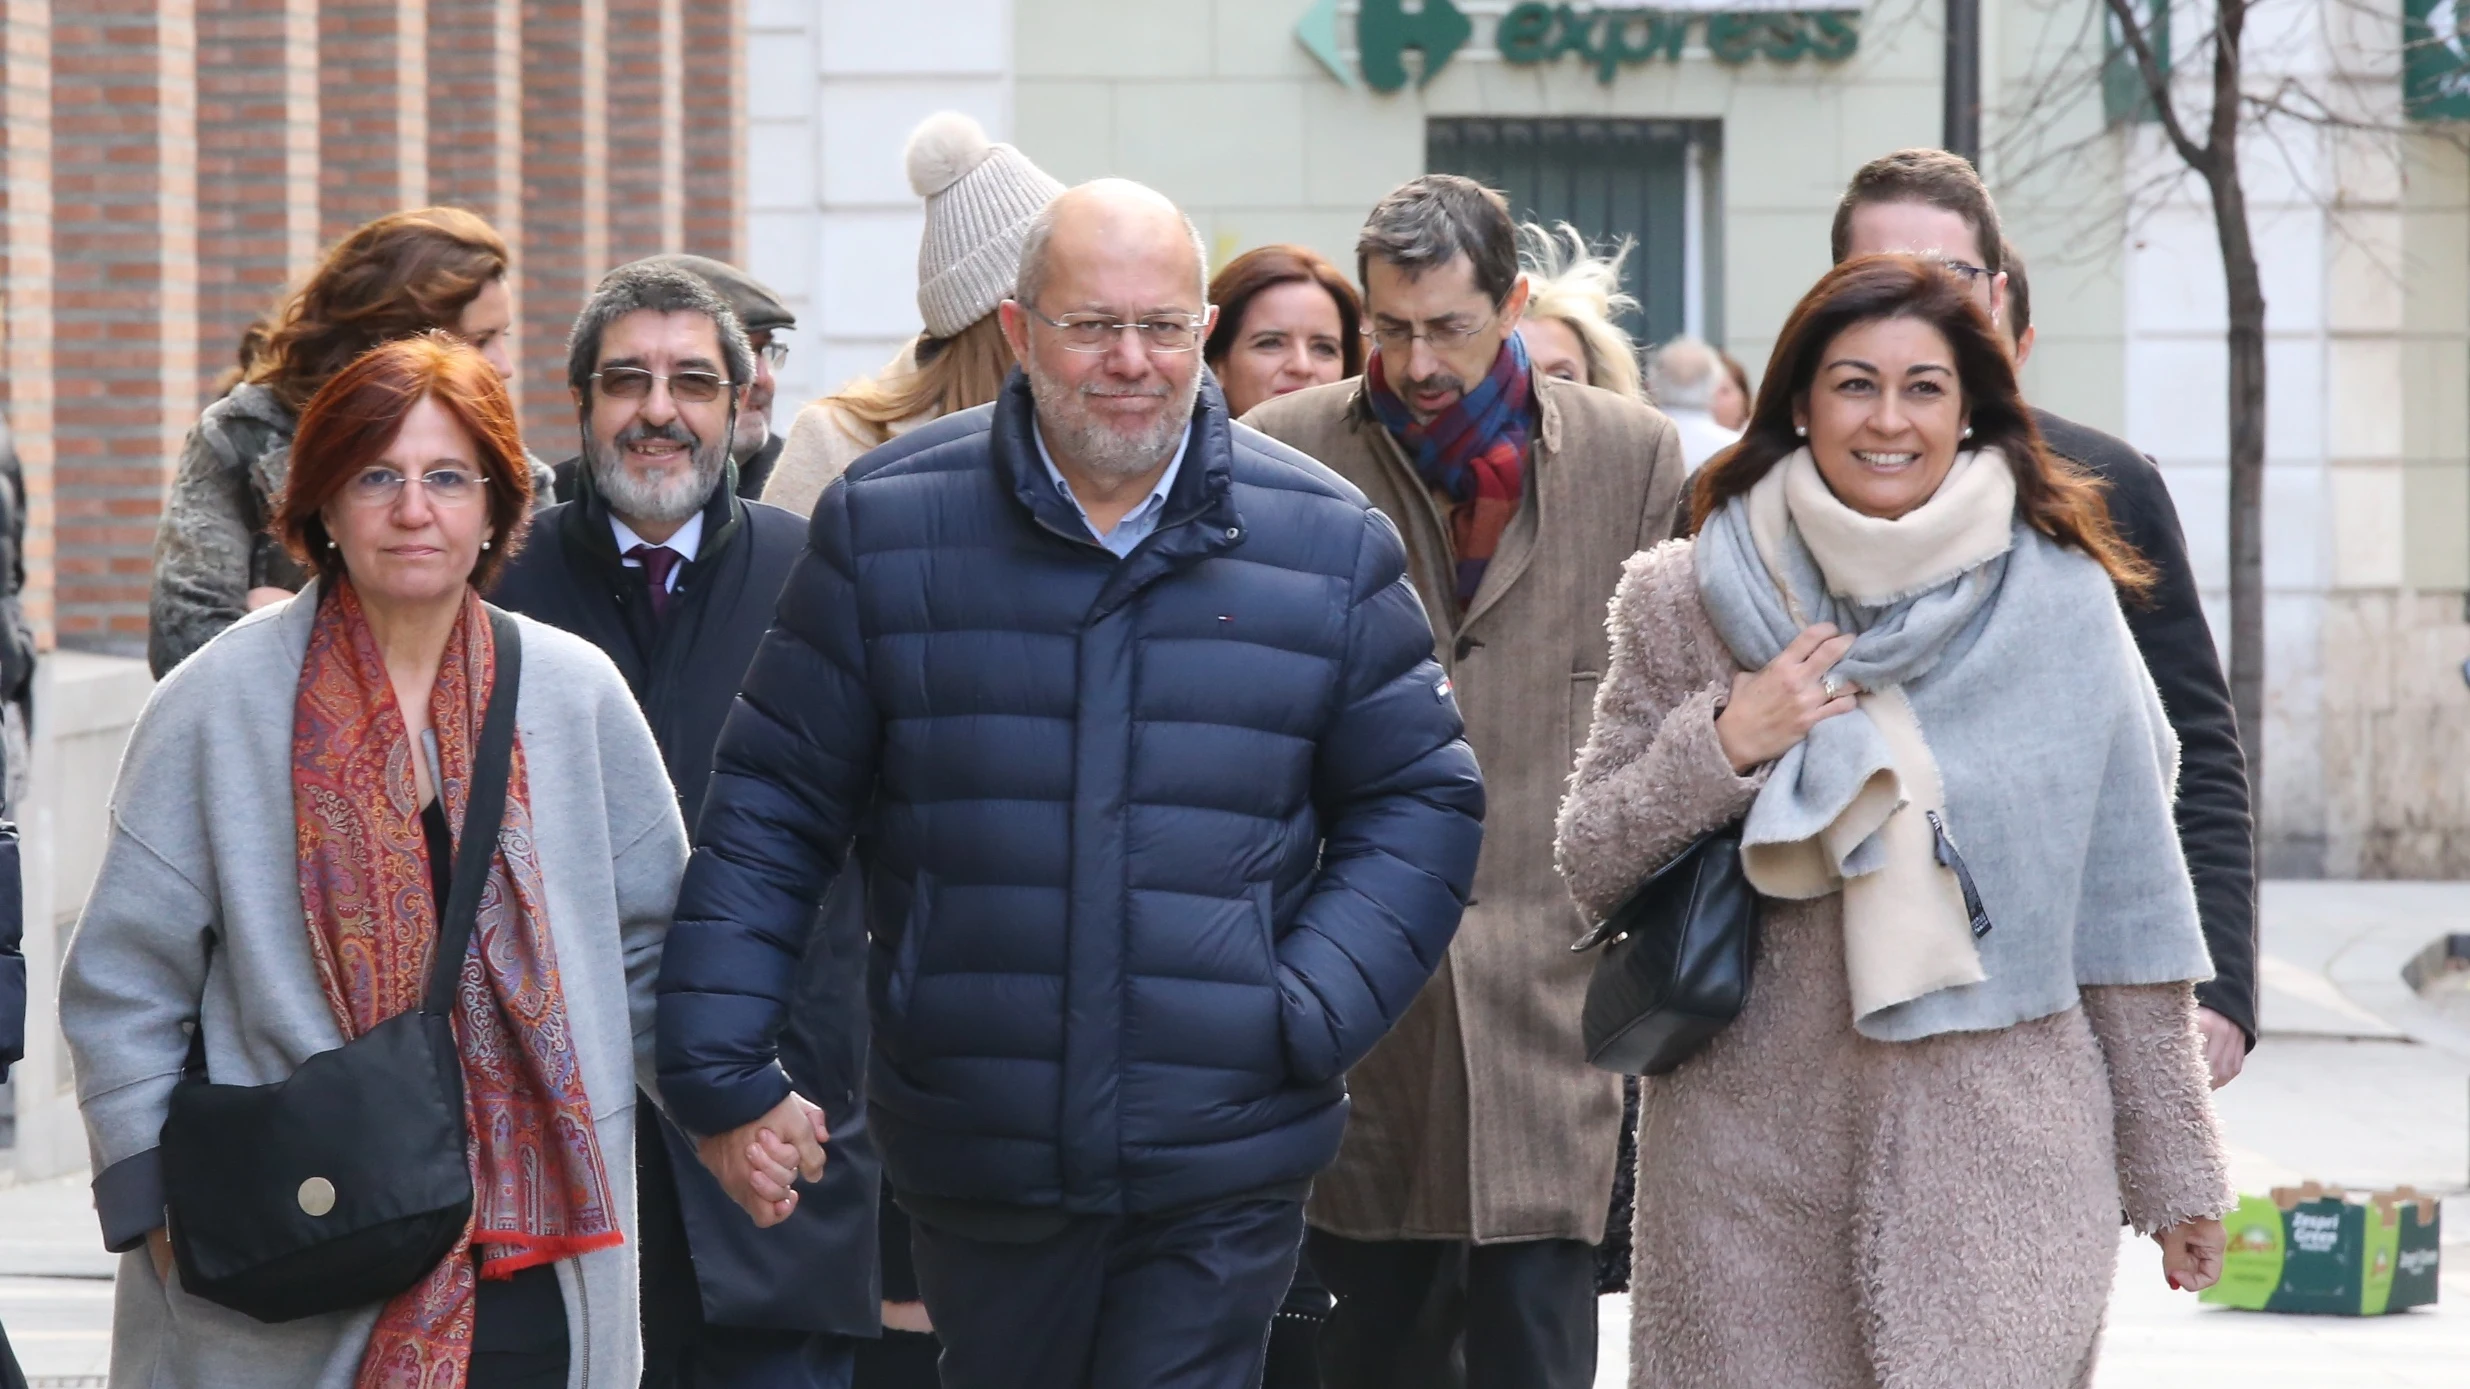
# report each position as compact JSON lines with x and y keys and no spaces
{"x":944,"y":376}
{"x":1572,"y":285}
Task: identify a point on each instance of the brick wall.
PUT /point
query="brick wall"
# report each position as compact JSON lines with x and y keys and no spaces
{"x":373,"y":118}
{"x":257,"y":164}
{"x":25,"y":284}
{"x":715,"y":133}
{"x":124,"y":248}
{"x":566,"y":190}
{"x":168,"y":167}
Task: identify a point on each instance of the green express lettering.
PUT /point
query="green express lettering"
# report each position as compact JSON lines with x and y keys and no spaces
{"x":1525,"y":31}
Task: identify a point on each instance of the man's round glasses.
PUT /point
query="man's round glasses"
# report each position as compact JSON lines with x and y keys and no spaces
{"x":1971,"y":273}
{"x":444,"y":487}
{"x":1165,"y":332}
{"x":774,"y":351}
{"x":634,"y":383}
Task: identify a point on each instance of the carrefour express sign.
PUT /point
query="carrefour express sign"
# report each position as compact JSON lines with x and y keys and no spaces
{"x":1606,"y":39}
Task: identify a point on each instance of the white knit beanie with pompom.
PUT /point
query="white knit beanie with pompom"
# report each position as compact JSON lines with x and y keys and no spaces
{"x":980,"y":198}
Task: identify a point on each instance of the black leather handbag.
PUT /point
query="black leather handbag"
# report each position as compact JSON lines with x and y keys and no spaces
{"x":346,"y":1183}
{"x":1676,"y":964}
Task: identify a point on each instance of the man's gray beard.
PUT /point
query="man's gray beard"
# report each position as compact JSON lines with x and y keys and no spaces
{"x":1074,"y":431}
{"x":664,"y":500}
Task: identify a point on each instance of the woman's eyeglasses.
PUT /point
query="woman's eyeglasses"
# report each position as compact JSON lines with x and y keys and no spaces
{"x":445,"y":487}
{"x":634,"y":383}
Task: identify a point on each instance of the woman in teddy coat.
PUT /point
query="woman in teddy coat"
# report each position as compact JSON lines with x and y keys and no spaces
{"x":1892,"y":650}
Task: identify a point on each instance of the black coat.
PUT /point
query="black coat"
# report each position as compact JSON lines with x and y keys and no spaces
{"x":813,"y":1273}
{"x":752,"y":473}
{"x":12,"y":963}
{"x":16,"y":683}
{"x":2215,"y":827}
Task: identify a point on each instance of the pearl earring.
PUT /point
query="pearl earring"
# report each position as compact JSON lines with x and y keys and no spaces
{"x":1968,"y":431}
{"x":330,"y":545}
{"x":1801,"y":429}
{"x":485,"y":544}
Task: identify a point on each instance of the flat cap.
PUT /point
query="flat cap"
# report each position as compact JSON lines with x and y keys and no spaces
{"x":757,"y":307}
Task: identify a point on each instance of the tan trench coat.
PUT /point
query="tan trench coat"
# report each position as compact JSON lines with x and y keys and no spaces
{"x":1478,"y":1118}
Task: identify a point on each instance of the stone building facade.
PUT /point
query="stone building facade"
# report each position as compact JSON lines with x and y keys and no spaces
{"x":167,"y":166}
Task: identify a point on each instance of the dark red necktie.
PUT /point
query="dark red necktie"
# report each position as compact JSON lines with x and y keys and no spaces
{"x":659,"y":562}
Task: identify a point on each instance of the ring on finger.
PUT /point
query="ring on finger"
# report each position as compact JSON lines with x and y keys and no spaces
{"x":1834,"y":686}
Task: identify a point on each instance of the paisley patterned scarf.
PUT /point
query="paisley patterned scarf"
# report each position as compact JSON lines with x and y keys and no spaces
{"x":1472,"y":455}
{"x":540,"y":1191}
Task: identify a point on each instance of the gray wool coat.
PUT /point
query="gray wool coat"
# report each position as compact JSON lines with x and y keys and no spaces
{"x":196,"y":915}
{"x":1478,"y":1117}
{"x":1820,"y":1210}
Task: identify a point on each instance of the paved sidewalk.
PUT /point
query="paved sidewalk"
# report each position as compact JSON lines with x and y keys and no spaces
{"x":2357,"y":1082}
{"x":55,"y":1288}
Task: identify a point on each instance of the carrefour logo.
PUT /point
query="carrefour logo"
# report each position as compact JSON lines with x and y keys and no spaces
{"x":1384,"y":31}
{"x":1607,"y":39}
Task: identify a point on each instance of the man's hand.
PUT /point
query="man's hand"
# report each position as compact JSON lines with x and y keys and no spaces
{"x":159,"y":1248}
{"x":2225,"y":1047}
{"x":759,"y":1163}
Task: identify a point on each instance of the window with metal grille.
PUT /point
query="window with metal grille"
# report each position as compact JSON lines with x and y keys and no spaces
{"x":1651,"y":180}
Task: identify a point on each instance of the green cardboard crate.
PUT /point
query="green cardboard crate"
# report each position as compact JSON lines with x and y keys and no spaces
{"x":2312,"y":1249}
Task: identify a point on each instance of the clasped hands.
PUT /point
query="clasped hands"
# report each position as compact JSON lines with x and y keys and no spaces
{"x":760,"y":1163}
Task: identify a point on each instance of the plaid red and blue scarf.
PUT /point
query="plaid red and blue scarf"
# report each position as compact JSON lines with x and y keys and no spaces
{"x":1472,"y":455}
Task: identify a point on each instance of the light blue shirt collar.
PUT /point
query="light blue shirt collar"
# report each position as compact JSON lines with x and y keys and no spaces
{"x":1137,"y":523}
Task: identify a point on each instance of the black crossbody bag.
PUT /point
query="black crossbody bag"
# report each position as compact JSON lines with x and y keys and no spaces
{"x":1676,"y":964}
{"x":346,"y":1183}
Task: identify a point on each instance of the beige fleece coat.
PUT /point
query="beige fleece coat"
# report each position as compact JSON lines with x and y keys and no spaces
{"x":1817,"y":1210}
{"x":1477,"y":1118}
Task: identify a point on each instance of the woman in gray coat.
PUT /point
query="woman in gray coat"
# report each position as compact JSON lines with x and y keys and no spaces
{"x":282,"y":835}
{"x":215,"y":558}
{"x":1892,"y":654}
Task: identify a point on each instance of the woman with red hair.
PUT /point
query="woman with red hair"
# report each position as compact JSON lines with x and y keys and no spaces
{"x":285,"y":835}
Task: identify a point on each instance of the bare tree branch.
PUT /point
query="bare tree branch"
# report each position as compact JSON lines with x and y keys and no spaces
{"x":2156,"y":75}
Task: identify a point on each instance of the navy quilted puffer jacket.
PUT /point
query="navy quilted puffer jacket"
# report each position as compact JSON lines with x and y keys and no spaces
{"x":1154,"y":849}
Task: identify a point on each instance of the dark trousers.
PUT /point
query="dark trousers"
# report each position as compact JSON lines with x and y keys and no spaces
{"x":900,"y":1360}
{"x":1525,"y":1318}
{"x":680,"y":1349}
{"x":1178,"y":1301}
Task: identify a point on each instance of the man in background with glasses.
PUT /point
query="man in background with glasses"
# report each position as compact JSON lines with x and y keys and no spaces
{"x":1129,"y":721}
{"x":768,"y":323}
{"x":1465,"y":1208}
{"x":661,"y":566}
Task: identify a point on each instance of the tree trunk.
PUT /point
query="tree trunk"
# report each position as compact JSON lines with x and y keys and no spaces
{"x":2247,"y":417}
{"x":2223,"y":178}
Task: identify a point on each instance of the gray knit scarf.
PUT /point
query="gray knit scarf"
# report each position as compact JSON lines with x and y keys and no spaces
{"x":2007,"y":734}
